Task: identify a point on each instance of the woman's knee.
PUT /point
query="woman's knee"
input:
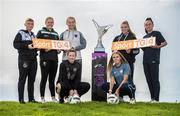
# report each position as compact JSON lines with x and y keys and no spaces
{"x":85,"y":86}
{"x":105,"y":87}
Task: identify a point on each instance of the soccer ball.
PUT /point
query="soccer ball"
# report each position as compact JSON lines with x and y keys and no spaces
{"x":75,"y":99}
{"x":112,"y":99}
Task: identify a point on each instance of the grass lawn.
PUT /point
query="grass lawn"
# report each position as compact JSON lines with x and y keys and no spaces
{"x":89,"y":109}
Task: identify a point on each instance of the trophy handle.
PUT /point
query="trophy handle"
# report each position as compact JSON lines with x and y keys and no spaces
{"x":95,"y":23}
{"x":101,"y":31}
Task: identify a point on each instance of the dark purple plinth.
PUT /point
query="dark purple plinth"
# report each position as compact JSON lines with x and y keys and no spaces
{"x":99,"y":76}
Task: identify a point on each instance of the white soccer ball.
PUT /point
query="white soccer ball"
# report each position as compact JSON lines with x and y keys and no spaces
{"x":75,"y":99}
{"x":112,"y":99}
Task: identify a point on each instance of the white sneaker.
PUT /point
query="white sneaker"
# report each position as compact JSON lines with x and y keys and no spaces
{"x":54,"y":100}
{"x":121,"y":99}
{"x":154,"y":101}
{"x":132,"y":101}
{"x":43,"y":100}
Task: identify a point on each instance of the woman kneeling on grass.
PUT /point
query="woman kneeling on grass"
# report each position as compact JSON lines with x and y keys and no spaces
{"x":69,"y":81}
{"x":120,"y":83}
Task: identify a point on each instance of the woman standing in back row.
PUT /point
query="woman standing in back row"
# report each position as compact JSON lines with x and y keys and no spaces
{"x":48,"y":59}
{"x":75,"y":37}
{"x":127,"y":34}
{"x":151,"y":60}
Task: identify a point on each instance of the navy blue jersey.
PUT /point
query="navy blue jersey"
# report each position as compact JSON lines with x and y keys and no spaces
{"x":152,"y":55}
{"x":21,"y":41}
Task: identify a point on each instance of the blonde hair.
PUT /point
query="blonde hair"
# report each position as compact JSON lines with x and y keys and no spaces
{"x":126,"y":23}
{"x":111,"y":62}
{"x":48,"y":19}
{"x":72,"y":19}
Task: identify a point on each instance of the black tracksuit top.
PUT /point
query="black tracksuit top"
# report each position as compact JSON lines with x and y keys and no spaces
{"x":129,"y":57}
{"x":22,"y":39}
{"x":44,"y":33}
{"x":70,"y":74}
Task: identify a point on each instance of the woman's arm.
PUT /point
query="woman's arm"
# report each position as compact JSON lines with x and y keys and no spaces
{"x":124,"y":81}
{"x":160,"y":46}
{"x":82,"y":42}
{"x":111,"y":85}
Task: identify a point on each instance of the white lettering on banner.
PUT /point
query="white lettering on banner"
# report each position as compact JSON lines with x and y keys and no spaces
{"x":51,"y":44}
{"x":130,"y":44}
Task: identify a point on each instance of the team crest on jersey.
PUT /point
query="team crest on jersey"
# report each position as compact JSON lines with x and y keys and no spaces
{"x":74,"y":69}
{"x":121,"y":71}
{"x":44,"y":63}
{"x":25,"y":65}
{"x":75,"y":35}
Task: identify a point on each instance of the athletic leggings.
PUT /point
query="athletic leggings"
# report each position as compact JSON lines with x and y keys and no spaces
{"x":151,"y":71}
{"x":82,"y":88}
{"x":48,"y":71}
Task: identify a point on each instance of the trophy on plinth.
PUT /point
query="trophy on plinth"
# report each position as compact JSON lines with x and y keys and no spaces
{"x":101,"y":31}
{"x":99,"y":65}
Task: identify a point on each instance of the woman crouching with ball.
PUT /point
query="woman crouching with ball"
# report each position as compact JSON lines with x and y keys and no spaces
{"x":120,"y":84}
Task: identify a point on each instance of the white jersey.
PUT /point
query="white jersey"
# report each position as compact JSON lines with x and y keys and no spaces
{"x":76,"y":40}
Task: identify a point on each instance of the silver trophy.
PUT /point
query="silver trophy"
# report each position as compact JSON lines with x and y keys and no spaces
{"x":101,"y":31}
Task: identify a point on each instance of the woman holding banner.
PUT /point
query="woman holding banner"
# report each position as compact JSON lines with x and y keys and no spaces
{"x":48,"y":59}
{"x":151,"y":60}
{"x":27,"y":62}
{"x":127,"y":34}
{"x":75,"y":37}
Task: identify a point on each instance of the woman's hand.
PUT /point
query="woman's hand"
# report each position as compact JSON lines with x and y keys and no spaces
{"x":155,"y":46}
{"x":30,"y":46}
{"x":128,"y":51}
{"x":76,"y":92}
{"x":71,"y":92}
{"x":110,"y":92}
{"x":47,"y":50}
{"x":117,"y":92}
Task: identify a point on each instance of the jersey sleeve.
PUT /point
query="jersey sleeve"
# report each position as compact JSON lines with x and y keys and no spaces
{"x":61,"y":36}
{"x":39,"y":34}
{"x":18,"y":43}
{"x":126,"y":69}
{"x":82,"y":42}
{"x":160,"y":37}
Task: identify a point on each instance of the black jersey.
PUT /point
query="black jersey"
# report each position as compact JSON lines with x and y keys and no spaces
{"x":152,"y":55}
{"x":44,"y":33}
{"x":70,"y":74}
{"x":131,"y":56}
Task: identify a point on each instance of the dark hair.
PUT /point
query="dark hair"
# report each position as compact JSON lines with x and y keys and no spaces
{"x":71,"y":50}
{"x":149,"y":19}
